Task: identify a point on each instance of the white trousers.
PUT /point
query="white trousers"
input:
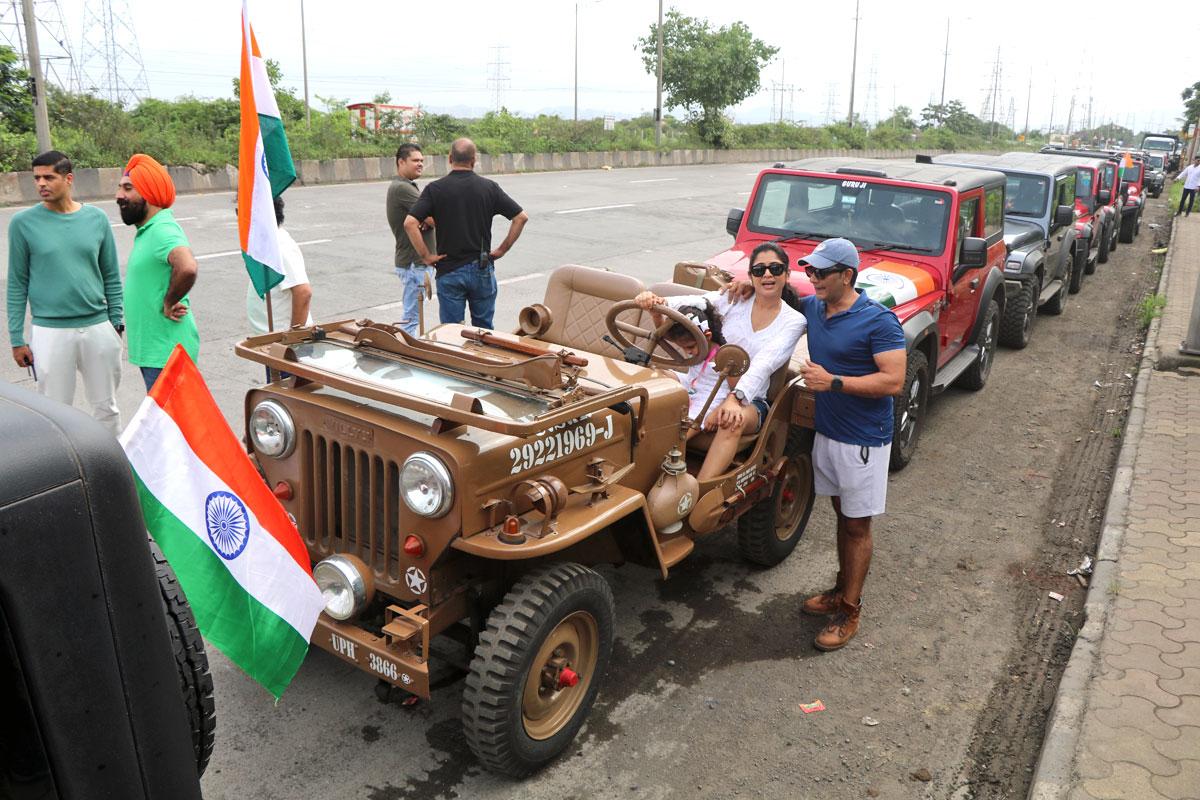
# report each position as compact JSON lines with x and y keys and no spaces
{"x":93,"y":352}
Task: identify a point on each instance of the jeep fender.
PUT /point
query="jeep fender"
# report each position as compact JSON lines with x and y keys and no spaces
{"x":993,"y":289}
{"x":921,"y":332}
{"x":1064,"y":254}
{"x":1030,"y":261}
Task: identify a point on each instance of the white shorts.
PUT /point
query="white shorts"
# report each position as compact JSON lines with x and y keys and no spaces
{"x":839,"y":470}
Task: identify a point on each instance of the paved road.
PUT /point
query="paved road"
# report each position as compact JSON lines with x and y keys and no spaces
{"x":710,"y":666}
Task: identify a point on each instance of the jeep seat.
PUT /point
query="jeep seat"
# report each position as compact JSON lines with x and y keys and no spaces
{"x":579,"y":299}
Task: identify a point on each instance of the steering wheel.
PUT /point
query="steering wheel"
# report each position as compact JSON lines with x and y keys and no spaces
{"x":670,"y":357}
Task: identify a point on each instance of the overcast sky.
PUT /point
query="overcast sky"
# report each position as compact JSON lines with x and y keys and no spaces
{"x":445,"y":58}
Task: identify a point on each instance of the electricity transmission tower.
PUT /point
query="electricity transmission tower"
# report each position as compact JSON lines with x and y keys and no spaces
{"x":992,"y":100}
{"x":498,"y":79}
{"x":58,"y":61}
{"x":832,"y":104}
{"x":110,"y":60}
{"x":872,"y":104}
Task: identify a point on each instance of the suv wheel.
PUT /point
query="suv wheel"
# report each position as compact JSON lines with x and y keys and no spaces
{"x":537,"y":668}
{"x":976,"y":375}
{"x":191,"y":660}
{"x":910,"y":410}
{"x":768,"y":532}
{"x":1127,"y":229}
{"x":1105,"y":249}
{"x":1016,"y":325}
{"x":1077,"y":269}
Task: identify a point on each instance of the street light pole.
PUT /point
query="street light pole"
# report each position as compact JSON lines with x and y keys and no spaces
{"x":304,"y":60}
{"x":853,"y":67}
{"x":658,"y":102}
{"x":41,"y":114}
{"x":576,"y":60}
{"x":945,"y":62}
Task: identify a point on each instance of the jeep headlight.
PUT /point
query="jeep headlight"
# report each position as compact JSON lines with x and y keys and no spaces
{"x":346,"y":585}
{"x":272,"y":431}
{"x":425,"y":485}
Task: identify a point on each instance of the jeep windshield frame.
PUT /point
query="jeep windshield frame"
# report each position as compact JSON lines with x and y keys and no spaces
{"x":856,"y":207}
{"x":345,"y":362}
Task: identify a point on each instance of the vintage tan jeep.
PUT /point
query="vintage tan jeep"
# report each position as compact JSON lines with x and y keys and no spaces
{"x":466,"y":483}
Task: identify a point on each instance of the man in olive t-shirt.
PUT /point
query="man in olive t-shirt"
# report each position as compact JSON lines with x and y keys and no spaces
{"x":160,"y":271}
{"x":401,"y":195}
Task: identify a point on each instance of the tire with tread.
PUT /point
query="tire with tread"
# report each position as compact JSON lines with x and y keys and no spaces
{"x":1057,"y":304}
{"x":1075,"y":282}
{"x":1128,"y":229}
{"x":493,"y":704}
{"x":1016,"y":326}
{"x":975,"y":377}
{"x":916,"y":379}
{"x":760,"y":539}
{"x":1105,"y":248}
{"x":191,"y":660}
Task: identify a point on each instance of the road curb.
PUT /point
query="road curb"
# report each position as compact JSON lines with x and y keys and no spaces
{"x":1054,"y":775}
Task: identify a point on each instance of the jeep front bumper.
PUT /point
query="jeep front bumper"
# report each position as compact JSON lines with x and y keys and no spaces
{"x":392,"y":659}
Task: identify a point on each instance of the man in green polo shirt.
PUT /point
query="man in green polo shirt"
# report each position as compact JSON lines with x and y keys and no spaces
{"x":62,"y":262}
{"x":160,"y":272}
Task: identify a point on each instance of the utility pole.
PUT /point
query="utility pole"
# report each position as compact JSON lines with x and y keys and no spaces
{"x":1070,"y":119}
{"x":40,"y":113}
{"x":853,"y":67}
{"x":945,"y":62}
{"x":1028,"y":101}
{"x":658,"y":102}
{"x":576,"y":62}
{"x":304,"y":61}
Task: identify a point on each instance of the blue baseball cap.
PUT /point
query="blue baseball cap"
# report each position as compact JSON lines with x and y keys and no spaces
{"x":832,"y":253}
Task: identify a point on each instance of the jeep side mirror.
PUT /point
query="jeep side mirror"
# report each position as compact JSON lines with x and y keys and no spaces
{"x":1104,"y":196}
{"x":973,"y":253}
{"x":1064,"y":215}
{"x":733,"y":222}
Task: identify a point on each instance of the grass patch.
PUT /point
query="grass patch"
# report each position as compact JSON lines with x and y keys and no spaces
{"x":1150,"y":309}
{"x":1174,"y":192}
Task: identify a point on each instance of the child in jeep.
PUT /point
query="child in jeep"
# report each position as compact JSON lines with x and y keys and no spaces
{"x":707,"y":320}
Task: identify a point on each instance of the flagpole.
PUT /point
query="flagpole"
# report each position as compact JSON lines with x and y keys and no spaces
{"x":270,"y":320}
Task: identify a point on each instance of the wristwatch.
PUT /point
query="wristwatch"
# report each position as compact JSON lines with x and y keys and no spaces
{"x":740,"y":396}
{"x":835,"y":385}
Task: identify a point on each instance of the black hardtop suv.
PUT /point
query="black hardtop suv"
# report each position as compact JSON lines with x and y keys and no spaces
{"x":1038,"y":232}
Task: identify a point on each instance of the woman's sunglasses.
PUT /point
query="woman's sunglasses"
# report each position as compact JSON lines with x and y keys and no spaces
{"x":775,"y":268}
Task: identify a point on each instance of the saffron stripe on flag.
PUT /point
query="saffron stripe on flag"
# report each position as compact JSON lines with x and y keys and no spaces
{"x":235,"y":622}
{"x":181,"y":482}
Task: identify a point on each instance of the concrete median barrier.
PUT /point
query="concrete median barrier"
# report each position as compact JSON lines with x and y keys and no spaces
{"x":17,"y":188}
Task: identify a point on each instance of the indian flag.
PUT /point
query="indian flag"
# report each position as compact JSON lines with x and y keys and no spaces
{"x":236,"y":552}
{"x":265,"y":166}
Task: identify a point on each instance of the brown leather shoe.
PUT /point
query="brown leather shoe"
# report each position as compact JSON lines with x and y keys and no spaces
{"x":824,"y":604}
{"x":841,"y":628}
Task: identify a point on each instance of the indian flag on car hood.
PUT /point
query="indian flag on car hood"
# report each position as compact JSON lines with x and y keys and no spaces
{"x":265,"y":166}
{"x":237,"y":554}
{"x":891,"y":284}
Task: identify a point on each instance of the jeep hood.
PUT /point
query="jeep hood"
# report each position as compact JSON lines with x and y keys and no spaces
{"x":1020,"y":233}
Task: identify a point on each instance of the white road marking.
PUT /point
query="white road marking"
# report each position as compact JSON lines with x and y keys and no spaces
{"x":593,"y":208}
{"x":313,"y":241}
{"x":185,"y":219}
{"x":520,"y":278}
{"x":743,"y":194}
{"x":655,"y":180}
{"x":388,"y":306}
{"x":239,"y":252}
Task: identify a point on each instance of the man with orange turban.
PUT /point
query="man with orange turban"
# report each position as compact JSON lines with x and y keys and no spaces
{"x":160,"y":271}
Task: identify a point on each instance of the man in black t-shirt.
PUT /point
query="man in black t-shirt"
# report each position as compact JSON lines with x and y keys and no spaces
{"x":463,"y":205}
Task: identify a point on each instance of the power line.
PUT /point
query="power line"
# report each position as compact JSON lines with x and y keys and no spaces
{"x":498,"y":80}
{"x":110,"y":62}
{"x":54,"y":43}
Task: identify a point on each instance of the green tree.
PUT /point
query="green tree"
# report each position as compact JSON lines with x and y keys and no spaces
{"x":706,"y":71}
{"x":901,"y":119}
{"x":291,"y":108}
{"x":1191,"y":105}
{"x":16,"y":103}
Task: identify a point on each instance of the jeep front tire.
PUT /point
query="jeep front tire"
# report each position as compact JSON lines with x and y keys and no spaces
{"x":537,"y":668}
{"x":1016,"y":325}
{"x":975,"y":377}
{"x":909,"y":410}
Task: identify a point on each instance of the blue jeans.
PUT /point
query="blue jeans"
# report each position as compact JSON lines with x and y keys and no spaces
{"x":472,"y":284}
{"x":150,"y":375}
{"x":412,"y":278}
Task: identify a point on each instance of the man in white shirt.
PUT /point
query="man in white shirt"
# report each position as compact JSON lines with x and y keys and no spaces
{"x":290,"y":300}
{"x":1191,"y":182}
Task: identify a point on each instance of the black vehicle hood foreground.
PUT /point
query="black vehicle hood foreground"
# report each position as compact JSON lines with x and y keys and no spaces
{"x":1020,"y":233}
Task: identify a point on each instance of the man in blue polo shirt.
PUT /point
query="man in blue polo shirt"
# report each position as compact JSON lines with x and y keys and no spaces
{"x":856,"y":365}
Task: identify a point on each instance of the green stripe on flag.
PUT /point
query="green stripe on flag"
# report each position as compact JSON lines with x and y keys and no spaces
{"x":280,"y":166}
{"x":262,"y":276}
{"x":263,"y":644}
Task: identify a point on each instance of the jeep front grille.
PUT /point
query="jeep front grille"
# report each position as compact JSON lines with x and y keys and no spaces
{"x":352,"y":504}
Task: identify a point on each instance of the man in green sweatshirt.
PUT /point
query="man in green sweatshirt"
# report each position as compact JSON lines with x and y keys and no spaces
{"x":62,"y":263}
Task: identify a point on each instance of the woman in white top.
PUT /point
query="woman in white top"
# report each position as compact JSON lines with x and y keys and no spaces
{"x":768,"y":329}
